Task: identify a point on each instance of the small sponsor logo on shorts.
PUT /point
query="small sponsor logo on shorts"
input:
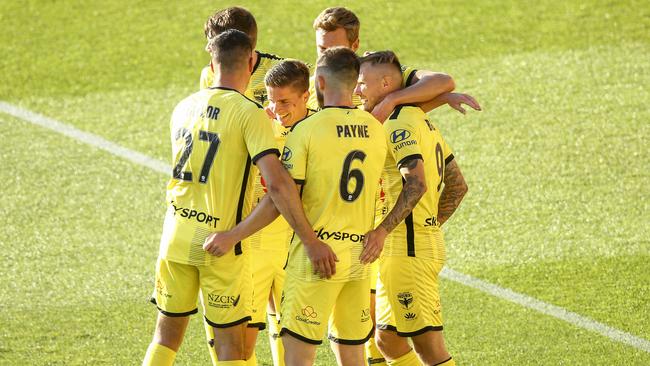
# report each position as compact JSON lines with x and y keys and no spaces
{"x":223,"y":301}
{"x":406,"y":299}
{"x":410,"y":316}
{"x":365,"y":315}
{"x":160,"y":289}
{"x":308,"y":313}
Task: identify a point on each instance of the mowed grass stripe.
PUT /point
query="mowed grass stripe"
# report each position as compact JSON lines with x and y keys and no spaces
{"x":484,"y":286}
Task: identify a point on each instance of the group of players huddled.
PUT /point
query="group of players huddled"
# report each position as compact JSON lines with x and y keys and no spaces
{"x":311,"y":204}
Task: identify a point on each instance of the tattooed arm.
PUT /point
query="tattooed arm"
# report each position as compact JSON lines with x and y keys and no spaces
{"x":414,"y":188}
{"x":453,"y":192}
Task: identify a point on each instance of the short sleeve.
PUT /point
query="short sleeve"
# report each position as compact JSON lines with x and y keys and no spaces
{"x":408,"y":73}
{"x":258,"y":135}
{"x":294,"y":155}
{"x":403,"y":136}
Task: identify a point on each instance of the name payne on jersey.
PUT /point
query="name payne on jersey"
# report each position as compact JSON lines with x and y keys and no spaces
{"x":199,"y":216}
{"x":352,"y":131}
{"x":322,"y":234}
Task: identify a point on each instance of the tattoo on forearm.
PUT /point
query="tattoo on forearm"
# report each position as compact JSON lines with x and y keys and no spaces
{"x":409,"y":197}
{"x":453,"y":192}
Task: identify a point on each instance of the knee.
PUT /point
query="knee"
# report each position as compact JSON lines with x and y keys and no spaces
{"x":390,"y":344}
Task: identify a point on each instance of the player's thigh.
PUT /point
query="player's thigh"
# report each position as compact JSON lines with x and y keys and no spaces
{"x":306,"y":308}
{"x":351,"y":323}
{"x":177,"y":288}
{"x":227,"y":290}
{"x":408,"y":298}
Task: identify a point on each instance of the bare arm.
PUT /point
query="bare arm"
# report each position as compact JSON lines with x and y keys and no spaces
{"x":282,"y":197}
{"x":414,"y":188}
{"x":425,"y":86}
{"x":453,"y":192}
{"x":455,"y":100}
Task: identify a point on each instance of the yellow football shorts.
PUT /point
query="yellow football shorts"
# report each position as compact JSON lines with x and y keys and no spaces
{"x":309,"y":307}
{"x":225,"y":289}
{"x":268,"y":276}
{"x":408,"y":300}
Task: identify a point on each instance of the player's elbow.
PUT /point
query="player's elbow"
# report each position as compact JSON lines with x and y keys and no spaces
{"x":421,"y":188}
{"x":446,"y":82}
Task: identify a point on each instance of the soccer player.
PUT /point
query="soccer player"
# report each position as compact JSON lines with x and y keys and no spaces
{"x":336,"y":157}
{"x":424,"y":187}
{"x":217,"y":134}
{"x":242,"y":20}
{"x":287,"y":86}
{"x":339,"y":26}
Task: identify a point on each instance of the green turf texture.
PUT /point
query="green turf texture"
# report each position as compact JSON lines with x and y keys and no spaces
{"x":557,"y":164}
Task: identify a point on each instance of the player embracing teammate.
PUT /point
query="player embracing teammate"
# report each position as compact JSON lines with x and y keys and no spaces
{"x":341,"y":159}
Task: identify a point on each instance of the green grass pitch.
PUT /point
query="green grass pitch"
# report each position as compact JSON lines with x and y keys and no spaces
{"x":558,"y":166}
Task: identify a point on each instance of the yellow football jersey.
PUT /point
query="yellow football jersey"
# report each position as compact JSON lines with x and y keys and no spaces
{"x":256,"y":89}
{"x":411,"y":134}
{"x":216,"y":135}
{"x":276,"y":235}
{"x":337,"y":155}
{"x":407,"y":75}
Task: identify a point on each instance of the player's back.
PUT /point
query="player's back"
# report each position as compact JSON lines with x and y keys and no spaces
{"x":411,"y":134}
{"x":217,"y":134}
{"x":338,"y":155}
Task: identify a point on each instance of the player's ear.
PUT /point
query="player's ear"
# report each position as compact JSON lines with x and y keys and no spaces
{"x":305,"y":96}
{"x":251,"y":65}
{"x":355,"y":45}
{"x":320,"y":82}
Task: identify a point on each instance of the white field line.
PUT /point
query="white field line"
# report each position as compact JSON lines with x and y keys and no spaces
{"x":484,"y":286}
{"x":85,"y":137}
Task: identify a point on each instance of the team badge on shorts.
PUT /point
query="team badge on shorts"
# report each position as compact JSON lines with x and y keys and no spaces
{"x":406,"y":299}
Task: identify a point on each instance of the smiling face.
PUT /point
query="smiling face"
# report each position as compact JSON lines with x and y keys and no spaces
{"x":287,"y":104}
{"x":371,"y":86}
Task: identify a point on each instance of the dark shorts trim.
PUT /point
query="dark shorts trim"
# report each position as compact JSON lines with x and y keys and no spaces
{"x":260,"y":326}
{"x":228,"y":325}
{"x":299,"y":337}
{"x":373,"y":291}
{"x":170,"y":314}
{"x":351,"y":342}
{"x":429,"y":328}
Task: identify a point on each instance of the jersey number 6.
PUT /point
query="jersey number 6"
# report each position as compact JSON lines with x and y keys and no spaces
{"x":348,"y":174}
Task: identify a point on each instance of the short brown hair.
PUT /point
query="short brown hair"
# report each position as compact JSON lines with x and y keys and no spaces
{"x":334,"y":18}
{"x":381,"y":58}
{"x":292,"y":73}
{"x":231,"y":18}
{"x":340,"y":63}
{"x":231,"y":49}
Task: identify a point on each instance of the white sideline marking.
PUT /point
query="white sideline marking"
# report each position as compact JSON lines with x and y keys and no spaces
{"x":484,"y":286}
{"x":548,"y":309}
{"x":85,"y":137}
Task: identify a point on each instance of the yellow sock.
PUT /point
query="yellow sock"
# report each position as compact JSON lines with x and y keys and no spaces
{"x":374,"y":357}
{"x":252,"y":361}
{"x":209,"y":334}
{"x":277,"y":350}
{"x":449,"y":362}
{"x":409,"y":359}
{"x":232,"y":363}
{"x":159,"y":355}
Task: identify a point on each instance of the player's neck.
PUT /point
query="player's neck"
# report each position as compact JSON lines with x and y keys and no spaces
{"x":336,"y":98}
{"x":231,"y":81}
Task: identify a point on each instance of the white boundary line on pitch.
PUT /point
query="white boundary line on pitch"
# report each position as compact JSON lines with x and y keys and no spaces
{"x":475,"y":283}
